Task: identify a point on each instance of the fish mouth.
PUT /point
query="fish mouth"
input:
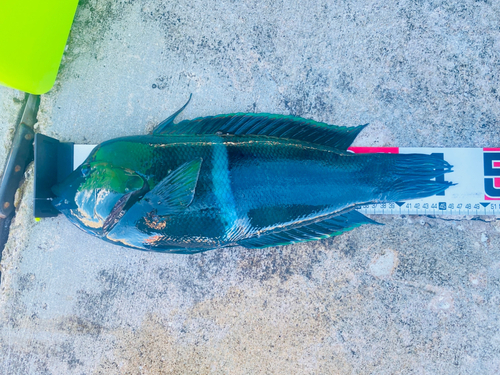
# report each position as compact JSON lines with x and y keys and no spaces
{"x":57,"y":190}
{"x":61,"y":203}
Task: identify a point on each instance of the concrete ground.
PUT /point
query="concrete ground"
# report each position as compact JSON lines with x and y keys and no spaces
{"x":419,"y":295}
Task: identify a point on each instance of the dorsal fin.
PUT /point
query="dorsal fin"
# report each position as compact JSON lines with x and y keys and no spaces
{"x":324,"y":229}
{"x":169,"y":121}
{"x":280,"y":126}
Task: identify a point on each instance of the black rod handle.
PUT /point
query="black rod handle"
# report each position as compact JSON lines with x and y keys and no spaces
{"x":21,"y":154}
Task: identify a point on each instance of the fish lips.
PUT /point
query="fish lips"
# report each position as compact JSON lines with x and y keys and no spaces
{"x":65,"y":196}
{"x":63,"y":204}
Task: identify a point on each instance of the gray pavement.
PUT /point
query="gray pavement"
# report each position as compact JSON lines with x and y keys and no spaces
{"x":419,"y":295}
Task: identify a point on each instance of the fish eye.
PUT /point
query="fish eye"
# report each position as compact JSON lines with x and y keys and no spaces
{"x":85,"y":170}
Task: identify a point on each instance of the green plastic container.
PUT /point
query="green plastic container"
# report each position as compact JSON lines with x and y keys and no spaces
{"x":33,"y":35}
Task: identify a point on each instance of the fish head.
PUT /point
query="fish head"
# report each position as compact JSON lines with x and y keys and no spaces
{"x":89,"y":194}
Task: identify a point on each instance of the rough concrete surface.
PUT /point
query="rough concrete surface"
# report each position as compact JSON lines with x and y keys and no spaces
{"x":419,"y":295}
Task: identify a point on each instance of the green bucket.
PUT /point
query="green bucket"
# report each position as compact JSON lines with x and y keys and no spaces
{"x":33,"y":35}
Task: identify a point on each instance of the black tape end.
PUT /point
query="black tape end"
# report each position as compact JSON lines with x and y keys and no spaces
{"x":53,"y":163}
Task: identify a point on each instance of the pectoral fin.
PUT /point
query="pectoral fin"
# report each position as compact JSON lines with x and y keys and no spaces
{"x":324,"y":229}
{"x":176,"y":191}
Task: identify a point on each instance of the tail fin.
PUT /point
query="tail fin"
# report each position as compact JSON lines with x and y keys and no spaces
{"x":414,"y":176}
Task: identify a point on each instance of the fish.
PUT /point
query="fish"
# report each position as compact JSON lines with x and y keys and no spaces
{"x":244,"y":179}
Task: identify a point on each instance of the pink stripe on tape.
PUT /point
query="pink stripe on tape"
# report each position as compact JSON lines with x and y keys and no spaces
{"x":374,"y":150}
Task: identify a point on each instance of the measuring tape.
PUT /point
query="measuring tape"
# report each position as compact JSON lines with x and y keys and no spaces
{"x":476,"y":173}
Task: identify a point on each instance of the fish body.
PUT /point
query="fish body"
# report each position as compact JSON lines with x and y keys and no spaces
{"x":230,"y":180}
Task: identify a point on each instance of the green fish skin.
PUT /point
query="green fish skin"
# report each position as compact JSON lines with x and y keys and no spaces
{"x":252,"y":180}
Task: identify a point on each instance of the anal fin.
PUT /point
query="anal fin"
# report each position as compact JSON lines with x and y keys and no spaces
{"x":324,"y":229}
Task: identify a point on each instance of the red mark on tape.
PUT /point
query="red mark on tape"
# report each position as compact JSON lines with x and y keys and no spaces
{"x":374,"y":150}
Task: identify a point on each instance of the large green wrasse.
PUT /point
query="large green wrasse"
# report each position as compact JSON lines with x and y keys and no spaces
{"x":252,"y":180}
